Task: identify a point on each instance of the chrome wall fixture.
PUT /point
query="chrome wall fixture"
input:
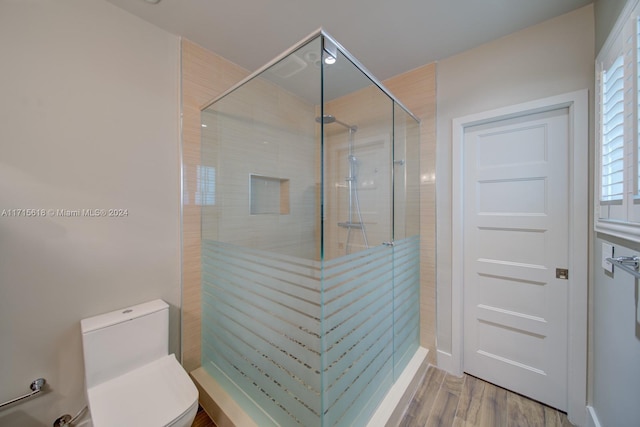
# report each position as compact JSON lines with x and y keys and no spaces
{"x":36,"y":387}
{"x":630,"y":264}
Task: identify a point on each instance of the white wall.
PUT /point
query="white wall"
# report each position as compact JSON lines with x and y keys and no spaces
{"x":615,"y":364}
{"x":615,"y":333}
{"x":88,"y":120}
{"x":548,"y":59}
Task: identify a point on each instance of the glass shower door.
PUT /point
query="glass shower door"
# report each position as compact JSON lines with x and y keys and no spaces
{"x":357,"y":267}
{"x":406,"y":238}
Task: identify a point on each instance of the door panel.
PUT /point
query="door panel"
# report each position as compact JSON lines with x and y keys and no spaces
{"x":515,"y":236}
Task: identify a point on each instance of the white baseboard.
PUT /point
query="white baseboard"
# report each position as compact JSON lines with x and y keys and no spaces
{"x":446,"y":363}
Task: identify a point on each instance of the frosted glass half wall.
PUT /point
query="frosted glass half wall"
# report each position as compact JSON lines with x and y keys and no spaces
{"x":309,"y":187}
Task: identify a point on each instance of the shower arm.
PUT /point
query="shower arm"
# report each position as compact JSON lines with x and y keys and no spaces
{"x":352,"y":128}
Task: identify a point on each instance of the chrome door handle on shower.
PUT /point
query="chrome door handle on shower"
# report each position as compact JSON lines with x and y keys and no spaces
{"x":392,"y":243}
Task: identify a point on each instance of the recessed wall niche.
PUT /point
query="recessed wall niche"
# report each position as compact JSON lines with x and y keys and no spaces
{"x":269,"y":195}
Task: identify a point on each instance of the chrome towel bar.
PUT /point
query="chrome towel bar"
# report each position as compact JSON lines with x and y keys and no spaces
{"x":36,"y":387}
{"x":630,"y":264}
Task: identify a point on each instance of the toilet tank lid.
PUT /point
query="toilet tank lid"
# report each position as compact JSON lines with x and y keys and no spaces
{"x":123,"y":315}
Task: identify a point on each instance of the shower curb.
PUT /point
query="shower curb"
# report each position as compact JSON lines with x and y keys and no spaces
{"x":225,"y":412}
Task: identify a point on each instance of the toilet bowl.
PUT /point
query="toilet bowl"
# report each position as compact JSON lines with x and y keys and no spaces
{"x":131,"y":379}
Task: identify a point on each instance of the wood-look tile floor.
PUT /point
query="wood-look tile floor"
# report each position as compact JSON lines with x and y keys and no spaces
{"x":443,"y":400}
{"x":202,"y":419}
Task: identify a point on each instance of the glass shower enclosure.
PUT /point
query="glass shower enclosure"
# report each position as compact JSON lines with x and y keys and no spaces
{"x":309,"y":187}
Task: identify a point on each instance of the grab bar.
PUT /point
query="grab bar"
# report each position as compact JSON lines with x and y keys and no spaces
{"x":36,"y":387}
{"x":630,"y":264}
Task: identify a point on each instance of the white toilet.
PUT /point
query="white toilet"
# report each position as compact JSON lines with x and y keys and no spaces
{"x":131,"y":379}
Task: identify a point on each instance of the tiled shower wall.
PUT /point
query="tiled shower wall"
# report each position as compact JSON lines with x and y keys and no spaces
{"x":370,"y":111}
{"x":268,"y":133}
{"x":206,"y":75}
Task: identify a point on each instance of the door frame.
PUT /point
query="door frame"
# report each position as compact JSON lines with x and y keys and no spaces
{"x":577,"y":104}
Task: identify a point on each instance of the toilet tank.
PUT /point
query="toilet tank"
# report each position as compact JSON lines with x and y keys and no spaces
{"x":117,"y":342}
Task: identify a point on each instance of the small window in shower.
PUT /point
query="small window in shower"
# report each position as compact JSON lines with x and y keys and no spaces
{"x":269,"y":195}
{"x":206,"y":183}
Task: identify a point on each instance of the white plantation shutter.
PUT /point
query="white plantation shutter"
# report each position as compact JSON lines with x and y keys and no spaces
{"x":618,"y":128}
{"x":612,"y":150}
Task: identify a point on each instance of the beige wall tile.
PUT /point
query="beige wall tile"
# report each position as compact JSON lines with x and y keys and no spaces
{"x":205,"y":75}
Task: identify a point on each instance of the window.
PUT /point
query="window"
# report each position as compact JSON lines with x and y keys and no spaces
{"x":612,"y":132}
{"x":206,"y":182}
{"x":617,"y":103}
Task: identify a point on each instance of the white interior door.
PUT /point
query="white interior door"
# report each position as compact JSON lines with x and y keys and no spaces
{"x":515,"y":236}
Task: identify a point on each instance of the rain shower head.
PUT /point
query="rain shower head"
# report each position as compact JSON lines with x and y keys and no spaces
{"x":326,"y":119}
{"x":329,"y":118}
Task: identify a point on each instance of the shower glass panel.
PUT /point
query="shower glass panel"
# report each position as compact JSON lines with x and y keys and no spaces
{"x":406,"y":236}
{"x":358,"y":148}
{"x":309,"y":186}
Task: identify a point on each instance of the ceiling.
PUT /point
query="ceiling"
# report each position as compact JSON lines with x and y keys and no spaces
{"x":387,"y":36}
